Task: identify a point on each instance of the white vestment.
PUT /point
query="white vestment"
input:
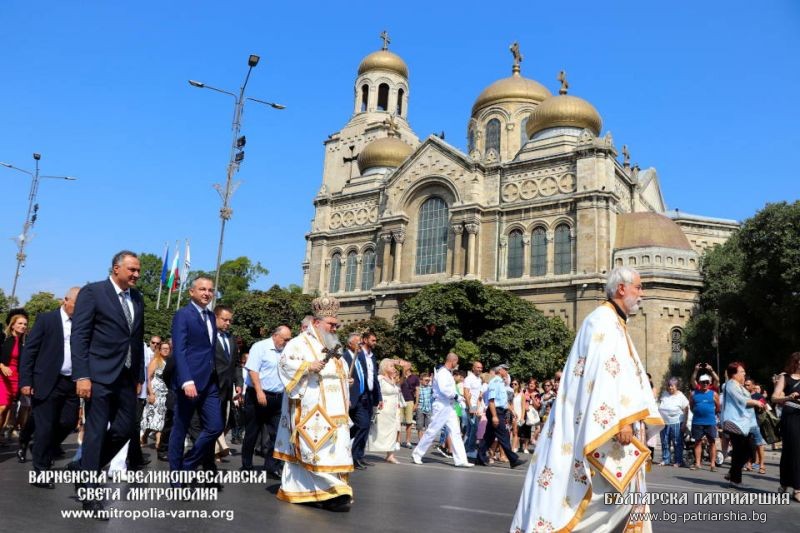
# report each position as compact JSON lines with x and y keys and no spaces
{"x":314,"y":433}
{"x":603,"y":389}
{"x":444,"y":392}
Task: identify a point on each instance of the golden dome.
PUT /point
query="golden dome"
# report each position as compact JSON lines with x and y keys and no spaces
{"x":640,"y":230}
{"x":564,"y":110}
{"x":383,"y":60}
{"x":515,"y":87}
{"x":385,"y":152}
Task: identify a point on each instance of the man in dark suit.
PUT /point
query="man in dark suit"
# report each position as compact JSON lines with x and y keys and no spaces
{"x":365,"y":392}
{"x":108,"y":360}
{"x":226,"y":375}
{"x":46,"y":375}
{"x":194,"y":334}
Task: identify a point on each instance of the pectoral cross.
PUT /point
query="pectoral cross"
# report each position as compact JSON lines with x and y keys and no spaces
{"x":562,"y":77}
{"x":517,"y":56}
{"x":353,"y":157}
{"x":386,"y":40}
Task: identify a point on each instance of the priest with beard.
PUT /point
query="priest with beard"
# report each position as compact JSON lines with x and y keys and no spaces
{"x":593,"y":444}
{"x":314,"y":434}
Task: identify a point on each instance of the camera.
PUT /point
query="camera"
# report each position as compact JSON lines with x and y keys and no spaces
{"x":704,"y":365}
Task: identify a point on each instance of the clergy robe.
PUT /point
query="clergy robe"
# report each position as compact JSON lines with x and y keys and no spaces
{"x":313,"y":435}
{"x":603,"y":388}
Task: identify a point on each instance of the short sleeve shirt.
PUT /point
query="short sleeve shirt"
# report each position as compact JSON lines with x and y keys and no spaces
{"x":497,"y":391}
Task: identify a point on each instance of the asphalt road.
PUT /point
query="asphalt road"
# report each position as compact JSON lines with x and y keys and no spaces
{"x":389,"y":498}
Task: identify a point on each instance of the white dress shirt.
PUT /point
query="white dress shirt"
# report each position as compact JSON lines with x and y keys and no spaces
{"x":66,"y":323}
{"x":126,"y":294}
{"x":370,"y":369}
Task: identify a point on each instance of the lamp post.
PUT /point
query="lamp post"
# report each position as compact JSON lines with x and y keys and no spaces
{"x":30,"y":218}
{"x":236,"y":157}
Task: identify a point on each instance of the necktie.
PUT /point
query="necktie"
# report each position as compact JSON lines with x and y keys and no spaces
{"x":206,"y":312}
{"x":225,"y":348}
{"x":360,"y":376}
{"x":129,"y":318}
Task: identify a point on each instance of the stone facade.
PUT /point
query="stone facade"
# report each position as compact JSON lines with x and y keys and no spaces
{"x":545,"y":217}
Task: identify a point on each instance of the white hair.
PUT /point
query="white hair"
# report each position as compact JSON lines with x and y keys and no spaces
{"x":620,"y":275}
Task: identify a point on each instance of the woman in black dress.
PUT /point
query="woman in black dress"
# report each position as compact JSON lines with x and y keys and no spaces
{"x":787,"y":394}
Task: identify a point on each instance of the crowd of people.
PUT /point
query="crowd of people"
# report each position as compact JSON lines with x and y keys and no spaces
{"x":313,"y":408}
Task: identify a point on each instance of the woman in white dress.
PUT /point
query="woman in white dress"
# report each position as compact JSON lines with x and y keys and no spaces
{"x":386,"y":426}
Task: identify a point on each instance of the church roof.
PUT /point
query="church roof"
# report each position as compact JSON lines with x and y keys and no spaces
{"x":647,"y":229}
{"x":515,"y":87}
{"x":383,"y":60}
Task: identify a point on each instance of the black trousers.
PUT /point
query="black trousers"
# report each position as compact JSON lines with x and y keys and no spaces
{"x":54,"y":418}
{"x":163,"y":445}
{"x":739,"y":454}
{"x":361,"y":414}
{"x":135,"y":456}
{"x":113,"y":403}
{"x":499,"y":433}
{"x":261,"y":420}
{"x":196,"y":427}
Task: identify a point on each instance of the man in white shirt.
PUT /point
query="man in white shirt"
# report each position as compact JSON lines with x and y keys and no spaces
{"x":472,"y":395}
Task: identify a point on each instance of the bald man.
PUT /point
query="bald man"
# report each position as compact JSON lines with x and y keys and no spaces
{"x":46,"y":376}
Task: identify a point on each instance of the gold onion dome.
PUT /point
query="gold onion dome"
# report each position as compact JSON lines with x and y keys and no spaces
{"x":383,"y":60}
{"x":386,"y":152}
{"x":565,"y":111}
{"x":515,"y":87}
{"x":647,"y":229}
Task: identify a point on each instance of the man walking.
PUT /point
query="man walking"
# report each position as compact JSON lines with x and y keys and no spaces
{"x":472,"y":394}
{"x":497,"y":399}
{"x":365,"y":394}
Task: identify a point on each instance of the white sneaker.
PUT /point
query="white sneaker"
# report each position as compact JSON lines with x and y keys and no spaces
{"x":465,"y":465}
{"x":417,"y":460}
{"x":526,"y":451}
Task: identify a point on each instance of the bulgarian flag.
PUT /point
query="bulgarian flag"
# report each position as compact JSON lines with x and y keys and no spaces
{"x":174,"y":274}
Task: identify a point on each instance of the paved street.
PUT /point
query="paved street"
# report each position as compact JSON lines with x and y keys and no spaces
{"x":389,"y":498}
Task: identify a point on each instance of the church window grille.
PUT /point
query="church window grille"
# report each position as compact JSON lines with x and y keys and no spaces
{"x":539,"y":252}
{"x":399,"y":109}
{"x":383,"y":97}
{"x":432,"y":237}
{"x":364,"y":97}
{"x":676,"y":340}
{"x":515,"y":254}
{"x":351,"y":269}
{"x":493,"y":136}
{"x":336,"y":271}
{"x":562,"y":250}
{"x":368,"y":270}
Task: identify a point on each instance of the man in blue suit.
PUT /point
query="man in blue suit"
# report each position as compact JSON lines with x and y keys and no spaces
{"x":194,"y":333}
{"x":107,"y":353}
{"x":365,"y":392}
{"x":46,"y":376}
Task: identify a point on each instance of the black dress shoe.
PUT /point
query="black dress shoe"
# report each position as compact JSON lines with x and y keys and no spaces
{"x":49,"y":485}
{"x":358,"y":465}
{"x":517,"y":463}
{"x":163,"y":457}
{"x":339,"y":504}
{"x":140,"y":465}
{"x":366,"y":463}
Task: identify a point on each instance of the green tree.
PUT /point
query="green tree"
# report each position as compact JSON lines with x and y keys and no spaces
{"x":504,"y":328}
{"x":235,"y":278}
{"x":40,"y":302}
{"x":257,"y":313}
{"x":750,"y":301}
{"x":389,"y":343}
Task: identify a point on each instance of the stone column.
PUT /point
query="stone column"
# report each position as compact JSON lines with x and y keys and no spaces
{"x":472,"y":231}
{"x":323,"y":263}
{"x":573,"y":249}
{"x":324,"y":283}
{"x":359,"y":272}
{"x":458,"y":261}
{"x":503,"y":258}
{"x":387,"y":249}
{"x":342,"y":272}
{"x":551,"y":253}
{"x":526,"y":256}
{"x":399,"y":237}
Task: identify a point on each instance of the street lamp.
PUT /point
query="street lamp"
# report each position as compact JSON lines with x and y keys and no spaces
{"x":236,"y":157}
{"x":33,"y":213}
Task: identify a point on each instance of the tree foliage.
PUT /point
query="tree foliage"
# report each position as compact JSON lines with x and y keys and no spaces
{"x":257,"y":313}
{"x":235,"y":278}
{"x":503,"y":327}
{"x":40,"y":302}
{"x":750,"y":301}
{"x":389,"y":343}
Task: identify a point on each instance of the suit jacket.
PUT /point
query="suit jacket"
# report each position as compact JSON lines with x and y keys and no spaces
{"x":374,"y":396}
{"x":101,"y":338}
{"x":192,"y":350}
{"x":227,"y":371}
{"x":43,"y":355}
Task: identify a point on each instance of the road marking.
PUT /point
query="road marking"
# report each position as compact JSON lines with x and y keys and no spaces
{"x":478,"y":469}
{"x":479,"y":511}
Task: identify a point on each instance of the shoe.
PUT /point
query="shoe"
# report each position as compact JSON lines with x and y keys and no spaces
{"x":480,"y":463}
{"x":45,"y":485}
{"x":339,"y":504}
{"x":140,"y":465}
{"x":417,"y":460}
{"x":163,"y":457}
{"x":526,"y":450}
{"x":443,"y":453}
{"x":358,"y":465}
{"x":517,"y":463}
{"x":366,"y":463}
{"x":274,"y":474}
{"x":465,"y":465}
{"x":22,"y":452}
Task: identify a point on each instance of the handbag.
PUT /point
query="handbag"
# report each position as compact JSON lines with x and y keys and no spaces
{"x":728,"y":426}
{"x":531,"y":417}
{"x":770,"y":426}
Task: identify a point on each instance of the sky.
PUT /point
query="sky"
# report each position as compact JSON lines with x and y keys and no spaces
{"x":705,"y":92}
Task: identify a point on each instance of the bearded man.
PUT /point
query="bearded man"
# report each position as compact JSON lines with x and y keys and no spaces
{"x":314,"y":434}
{"x":594,"y":441}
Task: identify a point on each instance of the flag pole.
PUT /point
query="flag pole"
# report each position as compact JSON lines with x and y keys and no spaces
{"x":164,"y":259}
{"x":184,"y":274}
{"x":172,"y":275}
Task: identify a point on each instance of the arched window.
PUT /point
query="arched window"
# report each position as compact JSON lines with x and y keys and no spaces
{"x":399,"y":108}
{"x":563,"y":250}
{"x":523,"y":135}
{"x":351,"y":269}
{"x":493,"y":136}
{"x":515,"y":255}
{"x":432,"y":237}
{"x":676,"y":339}
{"x":336,"y":271}
{"x":539,"y":252}
{"x":368,"y":270}
{"x":470,"y":141}
{"x":383,"y":97}
{"x":364,"y":97}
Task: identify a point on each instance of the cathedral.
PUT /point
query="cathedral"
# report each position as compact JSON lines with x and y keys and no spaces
{"x":539,"y":205}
